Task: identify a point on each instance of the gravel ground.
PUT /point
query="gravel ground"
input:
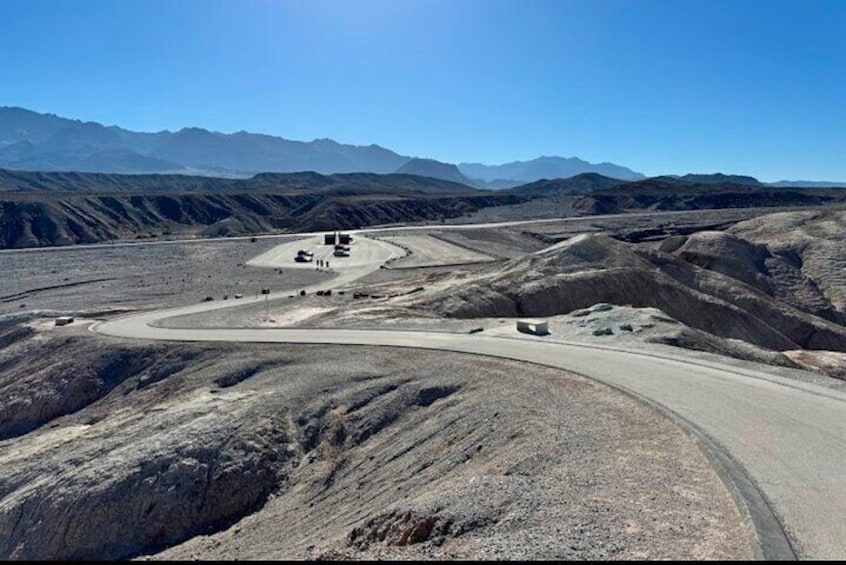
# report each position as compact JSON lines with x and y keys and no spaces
{"x":106,"y":278}
{"x":639,"y":328}
{"x":431,"y":250}
{"x":99,"y":279}
{"x":501,"y":243}
{"x":341,"y":452}
{"x":416,"y":454}
{"x":485,"y":472}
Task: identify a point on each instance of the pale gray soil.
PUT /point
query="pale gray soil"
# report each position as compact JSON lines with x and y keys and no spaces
{"x":314,"y":451}
{"x":504,"y":244}
{"x":731,"y":292}
{"x":114,"y":449}
{"x":829,"y":362}
{"x":562,"y":207}
{"x":425,"y":250}
{"x":813,"y":243}
{"x":100,"y":279}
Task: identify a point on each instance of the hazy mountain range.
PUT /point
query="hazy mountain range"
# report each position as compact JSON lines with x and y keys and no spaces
{"x":31,"y":141}
{"x":544,"y":168}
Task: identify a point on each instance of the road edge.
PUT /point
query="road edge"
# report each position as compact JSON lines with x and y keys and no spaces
{"x":771,"y":542}
{"x":756,"y":511}
{"x":765,"y":528}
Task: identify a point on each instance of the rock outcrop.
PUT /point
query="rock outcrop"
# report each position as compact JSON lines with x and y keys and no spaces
{"x":589,"y":269}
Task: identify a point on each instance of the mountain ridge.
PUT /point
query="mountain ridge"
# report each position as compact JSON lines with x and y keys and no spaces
{"x":32,"y":141}
{"x":53,"y":208}
{"x":44,"y":182}
{"x":545,"y":167}
{"x":435,"y":169}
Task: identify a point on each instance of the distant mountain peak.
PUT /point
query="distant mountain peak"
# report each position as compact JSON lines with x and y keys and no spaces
{"x":434,"y":169}
{"x":545,"y":167}
{"x":194,"y":129}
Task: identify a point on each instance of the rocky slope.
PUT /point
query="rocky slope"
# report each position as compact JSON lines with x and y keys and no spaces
{"x":811,"y":251}
{"x":589,"y":269}
{"x":668,"y":193}
{"x":123,"y":449}
{"x":98,"y":183}
{"x":32,"y":221}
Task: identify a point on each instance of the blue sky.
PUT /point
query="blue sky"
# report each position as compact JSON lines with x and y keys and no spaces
{"x":662,"y":87}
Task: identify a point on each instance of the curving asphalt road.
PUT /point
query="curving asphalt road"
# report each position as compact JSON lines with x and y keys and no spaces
{"x":779,"y":444}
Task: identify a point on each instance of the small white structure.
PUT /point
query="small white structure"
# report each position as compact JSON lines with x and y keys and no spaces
{"x":536,"y":327}
{"x":64,"y":320}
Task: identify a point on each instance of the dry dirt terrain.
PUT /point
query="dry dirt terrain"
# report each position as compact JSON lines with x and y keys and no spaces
{"x":91,"y":280}
{"x":116,"y":449}
{"x":777,"y":299}
{"x":267,"y":452}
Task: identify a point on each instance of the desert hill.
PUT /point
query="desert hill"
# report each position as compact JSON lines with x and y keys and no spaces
{"x":810,"y":183}
{"x":44,"y":208}
{"x":811,"y":256}
{"x":590,"y":269}
{"x":584,"y":183}
{"x":720,"y":178}
{"x":99,"y":183}
{"x":34,"y":221}
{"x":128,"y":449}
{"x":669,"y":193}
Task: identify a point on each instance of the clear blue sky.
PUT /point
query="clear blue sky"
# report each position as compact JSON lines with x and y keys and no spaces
{"x":676,"y":86}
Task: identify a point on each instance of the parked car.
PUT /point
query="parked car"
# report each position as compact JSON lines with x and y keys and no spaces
{"x":304,"y":256}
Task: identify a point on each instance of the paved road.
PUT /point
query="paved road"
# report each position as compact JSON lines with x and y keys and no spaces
{"x":788,"y":437}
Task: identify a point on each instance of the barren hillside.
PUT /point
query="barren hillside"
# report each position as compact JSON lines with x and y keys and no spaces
{"x":273,"y":452}
{"x":590,"y":269}
{"x":812,"y":243}
{"x":32,"y":220}
{"x":667,"y":193}
{"x":39,"y":209}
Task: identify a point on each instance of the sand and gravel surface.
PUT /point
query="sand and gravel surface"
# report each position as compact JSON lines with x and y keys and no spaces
{"x":360,"y":452}
{"x":180,"y":451}
{"x":426,"y":250}
{"x":101,"y":279}
{"x":484,"y":471}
